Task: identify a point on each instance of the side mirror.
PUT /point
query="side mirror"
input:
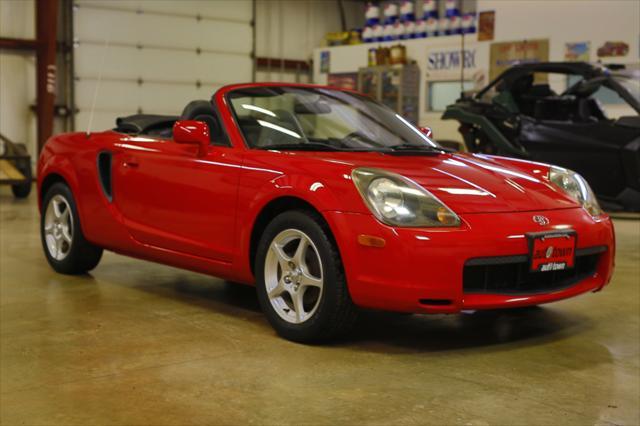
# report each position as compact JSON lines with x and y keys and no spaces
{"x":192,"y":132}
{"x":427,"y":131}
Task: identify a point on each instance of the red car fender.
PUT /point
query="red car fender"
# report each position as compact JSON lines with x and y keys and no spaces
{"x":316,"y":194}
{"x":49,"y":164}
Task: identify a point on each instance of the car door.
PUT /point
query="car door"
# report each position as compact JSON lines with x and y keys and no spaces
{"x":172,"y":199}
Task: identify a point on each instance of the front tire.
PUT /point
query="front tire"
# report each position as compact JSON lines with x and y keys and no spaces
{"x":300,"y":280}
{"x":64,"y":244}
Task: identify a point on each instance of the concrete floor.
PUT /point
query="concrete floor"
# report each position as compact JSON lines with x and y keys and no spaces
{"x":140,"y":343}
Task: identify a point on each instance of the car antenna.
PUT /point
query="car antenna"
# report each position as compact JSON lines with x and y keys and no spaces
{"x":95,"y":92}
{"x":462,"y":66}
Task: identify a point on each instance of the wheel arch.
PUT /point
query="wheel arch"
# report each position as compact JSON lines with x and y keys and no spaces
{"x":272,"y":209}
{"x":52,"y":169}
{"x":47,"y":182}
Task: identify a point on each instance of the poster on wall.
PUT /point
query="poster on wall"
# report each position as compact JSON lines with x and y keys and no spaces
{"x":325,"y":61}
{"x":613,"y":48}
{"x":577,"y":52}
{"x":486,"y":25}
{"x":347,"y":80}
{"x":505,"y":55}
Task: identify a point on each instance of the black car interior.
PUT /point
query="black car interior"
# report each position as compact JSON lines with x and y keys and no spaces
{"x":162,"y":125}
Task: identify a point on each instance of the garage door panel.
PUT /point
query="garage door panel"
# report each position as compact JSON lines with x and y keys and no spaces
{"x":151,"y":98}
{"x":111,"y":95}
{"x":163,"y":31}
{"x":152,"y":63}
{"x":169,"y":98}
{"x":99,"y":25}
{"x":231,"y":69}
{"x":223,"y":9}
{"x":101,"y":120}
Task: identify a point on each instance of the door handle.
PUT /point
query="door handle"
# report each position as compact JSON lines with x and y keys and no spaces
{"x":130,"y":162}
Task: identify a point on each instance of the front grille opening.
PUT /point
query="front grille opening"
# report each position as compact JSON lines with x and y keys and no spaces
{"x":436,"y":302}
{"x":504,"y":277}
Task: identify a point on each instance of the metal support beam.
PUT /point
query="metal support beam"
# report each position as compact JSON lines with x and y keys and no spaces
{"x":19,"y":44}
{"x":254,"y":54}
{"x":46,"y":23}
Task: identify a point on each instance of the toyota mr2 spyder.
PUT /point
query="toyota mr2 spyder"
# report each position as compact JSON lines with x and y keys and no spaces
{"x":328,"y":202}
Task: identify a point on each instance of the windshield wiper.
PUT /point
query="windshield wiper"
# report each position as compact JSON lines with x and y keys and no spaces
{"x":406,"y":148}
{"x":306,"y":146}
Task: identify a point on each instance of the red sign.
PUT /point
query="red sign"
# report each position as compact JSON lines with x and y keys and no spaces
{"x":552,"y":252}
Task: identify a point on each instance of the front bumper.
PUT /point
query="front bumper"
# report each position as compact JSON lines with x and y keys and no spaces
{"x":421,"y":270}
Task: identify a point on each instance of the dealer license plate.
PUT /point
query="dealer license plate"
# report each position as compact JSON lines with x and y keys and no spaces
{"x":552,"y":251}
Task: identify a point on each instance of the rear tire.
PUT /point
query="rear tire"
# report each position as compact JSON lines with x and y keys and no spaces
{"x":64,"y":244}
{"x":300,"y":280}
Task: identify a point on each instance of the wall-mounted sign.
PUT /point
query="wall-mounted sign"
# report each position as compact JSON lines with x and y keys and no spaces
{"x":451,"y":59}
{"x":613,"y":48}
{"x":577,"y":51}
{"x":505,"y":55}
{"x":325,"y":61}
{"x":486,"y":25}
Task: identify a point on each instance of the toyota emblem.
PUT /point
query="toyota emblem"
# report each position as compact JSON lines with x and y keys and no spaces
{"x":549,"y":252}
{"x":541,"y":220}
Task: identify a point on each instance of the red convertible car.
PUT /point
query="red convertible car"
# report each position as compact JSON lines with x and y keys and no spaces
{"x":327,"y":202}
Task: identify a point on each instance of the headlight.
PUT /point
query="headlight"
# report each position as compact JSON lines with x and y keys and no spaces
{"x":397,"y":201}
{"x":576,"y":187}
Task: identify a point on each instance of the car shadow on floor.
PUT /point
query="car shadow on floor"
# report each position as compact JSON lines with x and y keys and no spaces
{"x":486,"y":329}
{"x":376,"y":331}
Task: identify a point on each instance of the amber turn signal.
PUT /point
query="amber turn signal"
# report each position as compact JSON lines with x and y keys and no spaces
{"x":445,"y":216}
{"x":371,"y":241}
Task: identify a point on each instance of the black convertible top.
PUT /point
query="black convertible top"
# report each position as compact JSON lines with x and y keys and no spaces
{"x":144,"y":123}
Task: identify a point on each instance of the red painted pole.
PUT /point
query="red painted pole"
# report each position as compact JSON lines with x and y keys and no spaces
{"x":46,"y":23}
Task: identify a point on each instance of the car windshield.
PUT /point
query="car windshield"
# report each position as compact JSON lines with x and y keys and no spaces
{"x":321,"y":119}
{"x":631,"y":85}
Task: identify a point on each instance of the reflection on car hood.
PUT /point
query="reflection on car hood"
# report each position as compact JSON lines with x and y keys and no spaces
{"x":467,"y":183}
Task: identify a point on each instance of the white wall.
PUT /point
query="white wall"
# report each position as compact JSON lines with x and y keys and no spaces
{"x":293,"y":28}
{"x":17,"y":74}
{"x":560,"y":21}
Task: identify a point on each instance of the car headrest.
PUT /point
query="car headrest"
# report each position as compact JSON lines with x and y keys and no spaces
{"x":202,"y":110}
{"x":194,"y":108}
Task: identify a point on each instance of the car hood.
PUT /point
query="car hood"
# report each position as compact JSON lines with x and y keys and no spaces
{"x":466,"y":183}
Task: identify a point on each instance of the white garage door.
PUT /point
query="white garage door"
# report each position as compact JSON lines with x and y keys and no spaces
{"x":156,"y":56}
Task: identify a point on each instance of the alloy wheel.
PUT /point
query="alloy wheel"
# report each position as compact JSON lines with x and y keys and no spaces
{"x":293,"y":276}
{"x":58,"y":227}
